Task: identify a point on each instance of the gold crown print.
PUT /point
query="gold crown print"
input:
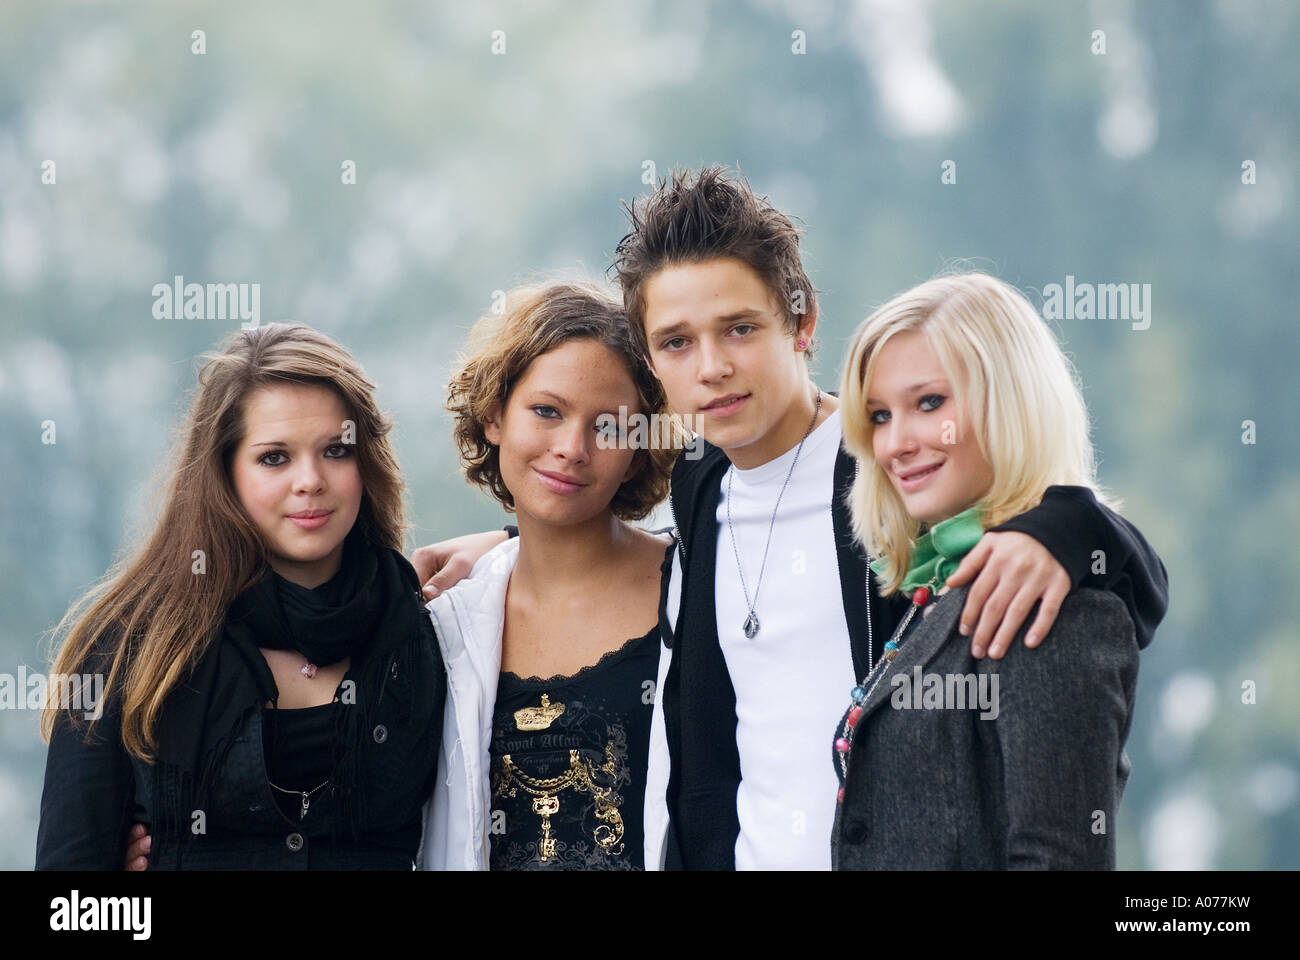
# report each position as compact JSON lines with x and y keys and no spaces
{"x":538,"y":718}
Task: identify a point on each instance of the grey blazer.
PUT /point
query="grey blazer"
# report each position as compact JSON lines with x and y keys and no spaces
{"x":931,"y":785}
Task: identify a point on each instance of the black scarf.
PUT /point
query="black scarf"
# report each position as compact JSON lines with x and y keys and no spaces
{"x":367,"y":610}
{"x":324,"y":624}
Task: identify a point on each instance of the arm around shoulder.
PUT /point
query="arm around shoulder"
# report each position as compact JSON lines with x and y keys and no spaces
{"x":1100,"y":549}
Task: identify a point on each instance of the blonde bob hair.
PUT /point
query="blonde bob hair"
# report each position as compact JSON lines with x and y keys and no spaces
{"x":1020,"y":395}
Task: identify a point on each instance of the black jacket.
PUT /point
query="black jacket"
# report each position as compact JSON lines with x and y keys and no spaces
{"x":95,"y":791}
{"x":699,"y":701}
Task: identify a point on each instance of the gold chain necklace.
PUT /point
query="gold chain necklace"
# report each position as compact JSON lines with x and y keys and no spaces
{"x":546,"y":802}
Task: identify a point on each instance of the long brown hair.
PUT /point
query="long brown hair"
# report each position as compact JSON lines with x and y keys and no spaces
{"x":150,"y":620}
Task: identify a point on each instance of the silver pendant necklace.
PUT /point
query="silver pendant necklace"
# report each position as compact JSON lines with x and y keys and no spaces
{"x":751,"y":622}
{"x":305,"y":794}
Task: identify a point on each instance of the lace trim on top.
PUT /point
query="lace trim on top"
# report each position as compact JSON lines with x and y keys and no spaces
{"x":611,"y":657}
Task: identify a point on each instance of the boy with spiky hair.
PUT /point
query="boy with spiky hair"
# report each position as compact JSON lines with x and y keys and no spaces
{"x":769,"y":613}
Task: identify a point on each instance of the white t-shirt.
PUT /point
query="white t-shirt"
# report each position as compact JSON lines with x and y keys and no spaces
{"x":792,"y":680}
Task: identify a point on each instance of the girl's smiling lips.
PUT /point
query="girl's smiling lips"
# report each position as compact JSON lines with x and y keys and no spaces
{"x":918,"y":476}
{"x":558,"y":482}
{"x":310,"y":519}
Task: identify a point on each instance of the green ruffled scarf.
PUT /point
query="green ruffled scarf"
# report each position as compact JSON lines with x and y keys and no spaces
{"x":939,"y":551}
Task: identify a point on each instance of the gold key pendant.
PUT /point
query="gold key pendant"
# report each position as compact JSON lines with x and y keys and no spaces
{"x":544,"y":806}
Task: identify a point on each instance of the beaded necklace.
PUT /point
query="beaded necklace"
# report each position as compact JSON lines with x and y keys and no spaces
{"x":862,"y":692}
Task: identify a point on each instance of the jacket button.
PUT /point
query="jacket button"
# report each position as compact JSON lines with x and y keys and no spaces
{"x":855,"y":831}
{"x":294,"y":842}
{"x":381,"y":733}
{"x":394,"y":670}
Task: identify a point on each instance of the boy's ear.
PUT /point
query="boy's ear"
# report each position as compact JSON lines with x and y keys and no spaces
{"x":645,"y":358}
{"x":806,"y":327}
{"x":492,"y":425}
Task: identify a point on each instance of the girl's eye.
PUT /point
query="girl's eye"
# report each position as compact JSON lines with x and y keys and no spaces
{"x":265,"y":460}
{"x":612,"y":426}
{"x":932,"y":401}
{"x":545,"y":412}
{"x":338,"y":451}
{"x":879,"y":416}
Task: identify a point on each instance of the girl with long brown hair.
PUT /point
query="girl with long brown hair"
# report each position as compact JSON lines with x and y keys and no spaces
{"x":273,"y":689}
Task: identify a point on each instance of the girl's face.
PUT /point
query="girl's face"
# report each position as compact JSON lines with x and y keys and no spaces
{"x":296,"y":479}
{"x":921,"y":438}
{"x":547,"y":434}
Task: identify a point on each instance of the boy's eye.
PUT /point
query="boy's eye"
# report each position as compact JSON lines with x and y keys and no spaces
{"x":266,"y":461}
{"x":742,"y":329}
{"x":675,"y":343}
{"x":932,"y":401}
{"x":879,"y":416}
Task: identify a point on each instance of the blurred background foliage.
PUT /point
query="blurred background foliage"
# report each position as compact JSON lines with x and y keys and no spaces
{"x":476,"y":170}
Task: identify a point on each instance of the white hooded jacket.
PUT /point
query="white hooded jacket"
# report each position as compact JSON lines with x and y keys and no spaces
{"x":469,"y":619}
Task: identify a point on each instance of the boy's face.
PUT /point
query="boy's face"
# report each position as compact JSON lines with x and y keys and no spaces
{"x":720,"y":345}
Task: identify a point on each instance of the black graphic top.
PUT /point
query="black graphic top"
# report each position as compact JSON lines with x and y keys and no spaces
{"x":569,"y":757}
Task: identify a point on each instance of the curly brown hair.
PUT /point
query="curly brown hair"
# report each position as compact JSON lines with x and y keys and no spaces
{"x":536,"y":320}
{"x":693,"y":217}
